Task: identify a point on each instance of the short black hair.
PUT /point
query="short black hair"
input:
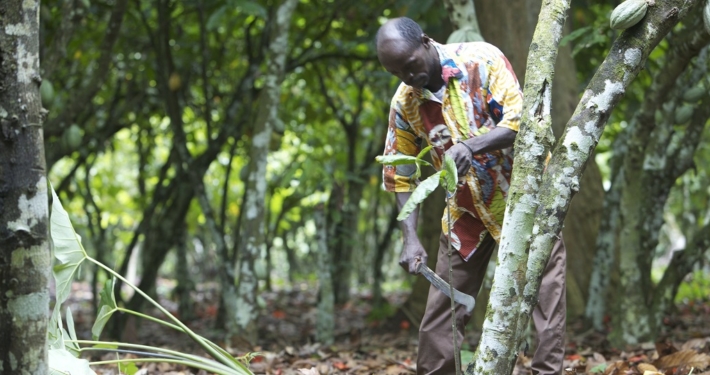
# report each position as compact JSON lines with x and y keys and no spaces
{"x":410,"y":31}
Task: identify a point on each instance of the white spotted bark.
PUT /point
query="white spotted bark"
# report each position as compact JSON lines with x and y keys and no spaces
{"x":462,"y":14}
{"x":561,"y":178}
{"x":243,"y":319}
{"x":537,"y":206}
{"x":24,"y":211}
{"x":497,"y":350}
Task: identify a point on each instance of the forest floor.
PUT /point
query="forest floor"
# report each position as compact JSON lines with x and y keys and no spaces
{"x":366,"y":346}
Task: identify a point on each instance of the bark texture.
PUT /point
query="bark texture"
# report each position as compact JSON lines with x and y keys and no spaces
{"x":25,"y":260}
{"x":253,"y":223}
{"x":561,"y":179}
{"x":497,"y":351}
{"x":325,"y":320}
{"x":582,"y":223}
{"x":653,"y":162}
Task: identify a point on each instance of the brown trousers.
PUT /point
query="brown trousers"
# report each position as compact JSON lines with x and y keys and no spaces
{"x":436,"y":353}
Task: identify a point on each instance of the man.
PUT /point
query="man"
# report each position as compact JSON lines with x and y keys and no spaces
{"x":465,"y":101}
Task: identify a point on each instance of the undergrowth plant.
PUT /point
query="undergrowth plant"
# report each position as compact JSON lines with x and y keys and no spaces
{"x":65,"y":348}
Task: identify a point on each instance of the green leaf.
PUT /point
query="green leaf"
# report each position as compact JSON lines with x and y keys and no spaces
{"x":424,"y":151}
{"x":451,"y":177}
{"x":420,"y":193}
{"x":598,"y":368}
{"x":54,"y":330}
{"x":72,"y":347}
{"x":128,"y":368}
{"x":216,"y":18}
{"x":63,"y":362}
{"x":107,"y":306}
{"x":571,"y":37}
{"x":67,"y":249}
{"x":399,"y":160}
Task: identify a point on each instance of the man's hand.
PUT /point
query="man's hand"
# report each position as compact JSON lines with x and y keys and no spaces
{"x":462,"y":157}
{"x":413,"y":253}
{"x":496,"y":139}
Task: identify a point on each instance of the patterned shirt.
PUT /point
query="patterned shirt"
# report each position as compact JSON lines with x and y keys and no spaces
{"x":481,"y":93}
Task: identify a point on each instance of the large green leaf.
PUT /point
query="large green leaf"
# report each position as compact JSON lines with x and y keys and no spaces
{"x":399,"y":160}
{"x":63,"y":362}
{"x":107,"y":306}
{"x":420,"y":193}
{"x":67,"y":249}
{"x":54,"y":330}
{"x":451,"y":177}
{"x":71,"y":346}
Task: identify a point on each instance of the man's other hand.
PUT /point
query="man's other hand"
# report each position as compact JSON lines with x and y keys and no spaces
{"x":413,"y":253}
{"x":462,"y":157}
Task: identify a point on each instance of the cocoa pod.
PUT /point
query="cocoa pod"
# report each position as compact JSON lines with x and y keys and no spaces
{"x":628,"y":13}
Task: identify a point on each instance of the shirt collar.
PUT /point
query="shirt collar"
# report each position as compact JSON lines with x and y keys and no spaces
{"x":449,"y":69}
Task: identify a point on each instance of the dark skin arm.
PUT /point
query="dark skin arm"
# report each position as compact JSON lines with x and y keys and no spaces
{"x":413,"y":252}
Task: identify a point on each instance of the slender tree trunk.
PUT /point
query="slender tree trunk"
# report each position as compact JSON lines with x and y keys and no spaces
{"x":497,"y":350}
{"x":325,"y":321}
{"x":253,"y":225}
{"x":561,"y":177}
{"x":583,"y":220}
{"x":25,"y":259}
{"x":651,"y":168}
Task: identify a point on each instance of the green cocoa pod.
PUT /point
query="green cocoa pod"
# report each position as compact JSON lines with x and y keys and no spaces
{"x":628,"y":13}
{"x":464,"y":35}
{"x":706,"y":15}
{"x":683,"y":114}
{"x":46,"y":92}
{"x":73,"y":137}
{"x":694,"y":94}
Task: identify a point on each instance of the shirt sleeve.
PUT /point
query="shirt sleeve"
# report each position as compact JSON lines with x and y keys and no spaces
{"x":401,"y":140}
{"x":505,"y":99}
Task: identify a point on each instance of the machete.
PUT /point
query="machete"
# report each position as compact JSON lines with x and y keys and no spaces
{"x":459,"y":297}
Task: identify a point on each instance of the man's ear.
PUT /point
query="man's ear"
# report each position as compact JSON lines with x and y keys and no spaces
{"x":426,"y":41}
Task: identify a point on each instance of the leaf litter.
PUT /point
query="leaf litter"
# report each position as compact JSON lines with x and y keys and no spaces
{"x":362,"y":345}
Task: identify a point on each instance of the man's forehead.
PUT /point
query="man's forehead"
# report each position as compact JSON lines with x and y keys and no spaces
{"x":394,"y":46}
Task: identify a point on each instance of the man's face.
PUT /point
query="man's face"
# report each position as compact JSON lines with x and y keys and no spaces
{"x":412,"y":66}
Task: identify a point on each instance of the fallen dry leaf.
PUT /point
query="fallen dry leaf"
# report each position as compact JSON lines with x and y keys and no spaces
{"x":617,"y":368}
{"x":309,"y":371}
{"x":689,"y":358}
{"x":644,"y":367}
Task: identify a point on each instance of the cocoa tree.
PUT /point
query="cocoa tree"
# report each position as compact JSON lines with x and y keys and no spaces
{"x":24,"y":244}
{"x":539,"y":196}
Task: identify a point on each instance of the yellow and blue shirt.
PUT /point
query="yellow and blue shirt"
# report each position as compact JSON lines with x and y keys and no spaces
{"x":481,"y":92}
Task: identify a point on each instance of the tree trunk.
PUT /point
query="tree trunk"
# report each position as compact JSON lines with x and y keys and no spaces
{"x":243,"y":321}
{"x":497,"y":350}
{"x":325,"y":321}
{"x":25,"y":260}
{"x":651,"y":165}
{"x":582,"y":223}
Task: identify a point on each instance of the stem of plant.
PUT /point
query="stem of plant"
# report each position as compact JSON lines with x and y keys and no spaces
{"x":218,"y":355}
{"x":148,"y":317}
{"x":159,"y":360}
{"x":457,"y":355}
{"x":190,"y":357}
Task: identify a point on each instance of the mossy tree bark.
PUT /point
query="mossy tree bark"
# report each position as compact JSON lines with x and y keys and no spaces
{"x":253,"y":222}
{"x":497,"y":350}
{"x":25,"y":260}
{"x":537,"y":206}
{"x":582,"y":223}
